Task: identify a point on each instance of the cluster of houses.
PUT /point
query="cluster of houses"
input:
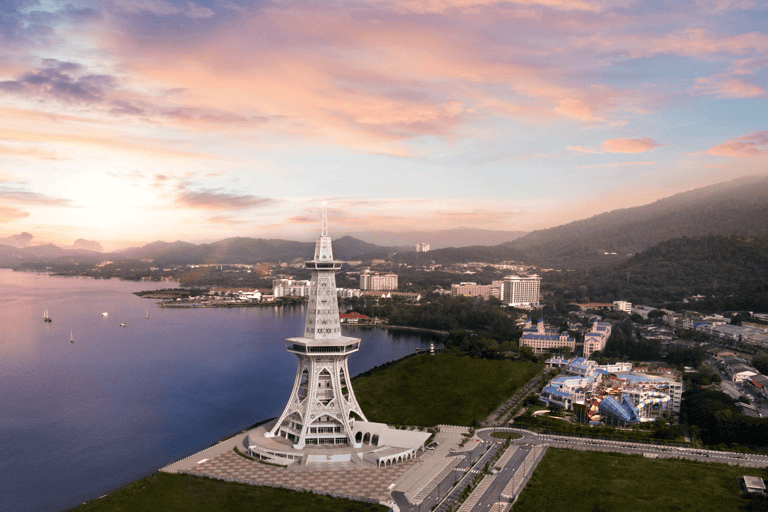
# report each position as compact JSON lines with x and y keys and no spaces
{"x":738,"y":370}
{"x":719,"y":327}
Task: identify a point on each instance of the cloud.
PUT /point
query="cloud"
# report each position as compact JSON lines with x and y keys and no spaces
{"x":27,"y":151}
{"x":88,"y":245}
{"x":32,"y":198}
{"x":746,"y":146}
{"x":581,"y":149}
{"x":439,"y":6}
{"x":614,"y":164}
{"x":63,"y":81}
{"x":136,"y":146}
{"x":215,"y":199}
{"x":71,"y":84}
{"x":578,"y":108}
{"x":631,"y":146}
{"x":163,"y":8}
{"x":225,"y":220}
{"x":20,"y":240}
{"x":8,"y":214}
{"x":728,"y":87}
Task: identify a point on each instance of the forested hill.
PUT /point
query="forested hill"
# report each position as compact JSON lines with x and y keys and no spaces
{"x":739,"y":206}
{"x":231,"y":250}
{"x":733,"y":269}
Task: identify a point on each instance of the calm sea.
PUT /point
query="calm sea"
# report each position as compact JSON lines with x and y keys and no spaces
{"x":80,"y":419}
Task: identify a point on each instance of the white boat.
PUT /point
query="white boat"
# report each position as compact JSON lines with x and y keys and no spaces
{"x":71,"y":337}
{"x":105,"y":314}
{"x":122,"y":324}
{"x":46,"y":318}
{"x":147,"y":314}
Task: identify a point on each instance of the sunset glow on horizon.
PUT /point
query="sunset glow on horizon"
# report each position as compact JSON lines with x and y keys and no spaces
{"x":129,"y":121}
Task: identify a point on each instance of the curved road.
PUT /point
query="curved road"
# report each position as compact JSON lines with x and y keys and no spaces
{"x":583,"y":443}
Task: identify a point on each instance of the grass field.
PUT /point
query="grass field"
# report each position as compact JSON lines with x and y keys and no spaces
{"x":445,"y":388}
{"x":506,"y":435}
{"x":163,"y":492}
{"x":595,"y":481}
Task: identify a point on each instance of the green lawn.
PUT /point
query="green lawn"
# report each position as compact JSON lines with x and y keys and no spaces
{"x":445,"y":388}
{"x":594,"y":481}
{"x":506,"y":435}
{"x":163,"y":492}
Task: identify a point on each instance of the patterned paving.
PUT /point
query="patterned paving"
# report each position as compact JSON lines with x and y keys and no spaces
{"x":366,"y":484}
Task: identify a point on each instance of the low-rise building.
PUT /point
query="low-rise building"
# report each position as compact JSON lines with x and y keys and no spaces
{"x":622,"y":305}
{"x":542,"y":340}
{"x":596,"y":339}
{"x":476,"y":290}
{"x":352,"y":318}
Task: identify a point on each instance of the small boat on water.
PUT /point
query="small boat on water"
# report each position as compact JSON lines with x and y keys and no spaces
{"x":105,"y":314}
{"x":46,"y":318}
{"x":147,"y":314}
{"x":122,"y":324}
{"x":71,"y":336}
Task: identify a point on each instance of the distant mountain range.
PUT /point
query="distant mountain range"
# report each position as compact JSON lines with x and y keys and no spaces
{"x":230,"y":250}
{"x":457,"y":237}
{"x":245,"y":250}
{"x":739,"y":206}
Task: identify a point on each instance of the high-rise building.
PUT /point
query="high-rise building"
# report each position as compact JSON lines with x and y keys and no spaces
{"x":290,"y":287}
{"x":522,"y":291}
{"x":422,"y":247}
{"x":378,"y":282}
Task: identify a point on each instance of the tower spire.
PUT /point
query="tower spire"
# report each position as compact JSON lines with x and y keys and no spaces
{"x":324,"y":227}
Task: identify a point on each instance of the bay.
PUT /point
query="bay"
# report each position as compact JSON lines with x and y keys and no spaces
{"x":80,"y":419}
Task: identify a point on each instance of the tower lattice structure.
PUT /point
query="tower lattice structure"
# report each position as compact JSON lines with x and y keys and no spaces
{"x":322,"y":407}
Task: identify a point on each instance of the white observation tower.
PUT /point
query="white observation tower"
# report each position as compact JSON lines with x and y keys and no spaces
{"x":319,"y":411}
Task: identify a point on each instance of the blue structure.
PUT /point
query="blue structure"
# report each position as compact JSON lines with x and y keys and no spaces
{"x":625,"y":412}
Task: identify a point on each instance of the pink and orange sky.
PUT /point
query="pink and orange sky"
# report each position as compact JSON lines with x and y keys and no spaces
{"x":127,"y":121}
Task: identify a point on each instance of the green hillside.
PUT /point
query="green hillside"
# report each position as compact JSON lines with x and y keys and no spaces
{"x":732,"y":269}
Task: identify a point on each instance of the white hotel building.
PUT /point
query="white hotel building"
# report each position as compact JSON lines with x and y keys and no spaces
{"x":378,"y":282}
{"x":522,"y":291}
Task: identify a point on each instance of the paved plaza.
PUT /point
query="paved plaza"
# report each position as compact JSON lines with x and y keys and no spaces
{"x":369,"y":484}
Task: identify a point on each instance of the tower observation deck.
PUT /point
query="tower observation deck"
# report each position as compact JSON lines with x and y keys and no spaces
{"x":322,"y":408}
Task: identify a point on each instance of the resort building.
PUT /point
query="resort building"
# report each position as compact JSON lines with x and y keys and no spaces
{"x":290,"y":288}
{"x":522,"y":291}
{"x":596,"y":339}
{"x":377,"y":282}
{"x":477,"y":290}
{"x":542,"y":340}
{"x":608,"y":393}
{"x":422,"y":247}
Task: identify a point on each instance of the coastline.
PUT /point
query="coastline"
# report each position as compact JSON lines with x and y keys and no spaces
{"x":404,"y":328}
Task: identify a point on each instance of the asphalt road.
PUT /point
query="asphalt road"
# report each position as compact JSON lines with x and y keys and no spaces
{"x":633,"y":448}
{"x":492,"y":495}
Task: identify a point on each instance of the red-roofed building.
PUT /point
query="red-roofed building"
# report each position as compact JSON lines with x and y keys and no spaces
{"x":352,"y":318}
